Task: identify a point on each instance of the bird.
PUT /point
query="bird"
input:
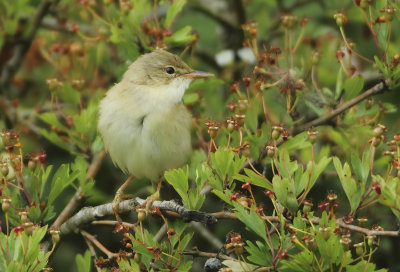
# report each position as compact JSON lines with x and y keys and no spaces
{"x":143,"y":122}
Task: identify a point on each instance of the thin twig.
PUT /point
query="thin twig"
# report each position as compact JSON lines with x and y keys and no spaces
{"x":99,"y":245}
{"x":207,"y":235}
{"x":93,"y":252}
{"x":197,"y":253}
{"x":113,"y":223}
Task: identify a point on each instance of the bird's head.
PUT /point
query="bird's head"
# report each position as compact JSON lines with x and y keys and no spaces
{"x":161,"y":68}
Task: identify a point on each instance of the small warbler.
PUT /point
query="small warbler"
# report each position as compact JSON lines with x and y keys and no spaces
{"x":143,"y":122}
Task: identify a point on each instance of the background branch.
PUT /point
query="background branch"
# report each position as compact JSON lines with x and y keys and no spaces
{"x":21,"y":48}
{"x":377,"y":89}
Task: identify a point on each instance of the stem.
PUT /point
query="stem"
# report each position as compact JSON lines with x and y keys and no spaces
{"x":364,"y":15}
{"x":351,"y":49}
{"x":388,"y":41}
{"x":299,"y":39}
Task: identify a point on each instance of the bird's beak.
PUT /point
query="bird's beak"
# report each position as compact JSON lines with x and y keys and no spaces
{"x":197,"y":74}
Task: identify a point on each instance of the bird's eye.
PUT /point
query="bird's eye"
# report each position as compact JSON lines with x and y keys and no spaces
{"x":170,"y":70}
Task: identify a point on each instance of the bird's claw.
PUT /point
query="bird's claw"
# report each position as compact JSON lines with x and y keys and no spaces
{"x":148,"y":203}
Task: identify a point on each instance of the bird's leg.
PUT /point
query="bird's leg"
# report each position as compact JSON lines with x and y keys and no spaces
{"x":119,"y":196}
{"x":156,"y":196}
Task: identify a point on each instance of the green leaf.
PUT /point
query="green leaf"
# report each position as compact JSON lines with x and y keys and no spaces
{"x":51,"y":119}
{"x":84,"y":262}
{"x":182,"y":36}
{"x":61,"y":179}
{"x":254,"y":179}
{"x":302,"y":262}
{"x":190,"y":98}
{"x":361,"y":168}
{"x":227,"y":164}
{"x":173,"y":11}
{"x":251,"y":219}
{"x":33,"y":252}
{"x":382,"y":67}
{"x":350,"y":186}
{"x":316,"y":170}
{"x":259,"y":253}
{"x":115,"y":34}
{"x":34,"y":213}
{"x":55,"y":139}
{"x":300,"y":141}
{"x":179,"y":179}
{"x":364,"y":266}
{"x":353,"y":86}
{"x":389,"y":196}
{"x":280,"y":188}
{"x":80,"y":165}
{"x":236,"y":266}
{"x":223,"y":195}
{"x":69,"y":94}
{"x":86,"y":123}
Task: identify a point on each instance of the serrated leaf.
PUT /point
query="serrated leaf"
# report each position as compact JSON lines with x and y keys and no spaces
{"x":179,"y":179}
{"x":61,"y":179}
{"x":253,"y":178}
{"x":350,"y":186}
{"x":361,"y":168}
{"x":251,"y":219}
{"x":280,"y":188}
{"x":259,"y":253}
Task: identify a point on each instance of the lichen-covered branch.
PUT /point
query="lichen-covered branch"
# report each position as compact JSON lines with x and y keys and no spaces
{"x":89,"y":214}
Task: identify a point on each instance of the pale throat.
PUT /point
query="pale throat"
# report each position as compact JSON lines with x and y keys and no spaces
{"x":164,"y":96}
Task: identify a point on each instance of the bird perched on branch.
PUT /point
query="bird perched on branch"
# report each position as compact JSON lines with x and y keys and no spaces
{"x":143,"y":122}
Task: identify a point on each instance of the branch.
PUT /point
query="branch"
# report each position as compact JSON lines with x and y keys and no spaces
{"x":199,"y":6}
{"x":74,"y":201}
{"x":377,"y":89}
{"x":89,"y":214}
{"x":20,"y":50}
{"x":339,"y":221}
{"x":207,"y":235}
{"x":186,"y":214}
{"x":198,"y":253}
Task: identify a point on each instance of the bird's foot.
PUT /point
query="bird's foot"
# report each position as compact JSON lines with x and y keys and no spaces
{"x":148,"y":203}
{"x":120,"y":196}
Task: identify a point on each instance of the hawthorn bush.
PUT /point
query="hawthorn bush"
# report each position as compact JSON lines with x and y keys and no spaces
{"x":296,"y":140}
